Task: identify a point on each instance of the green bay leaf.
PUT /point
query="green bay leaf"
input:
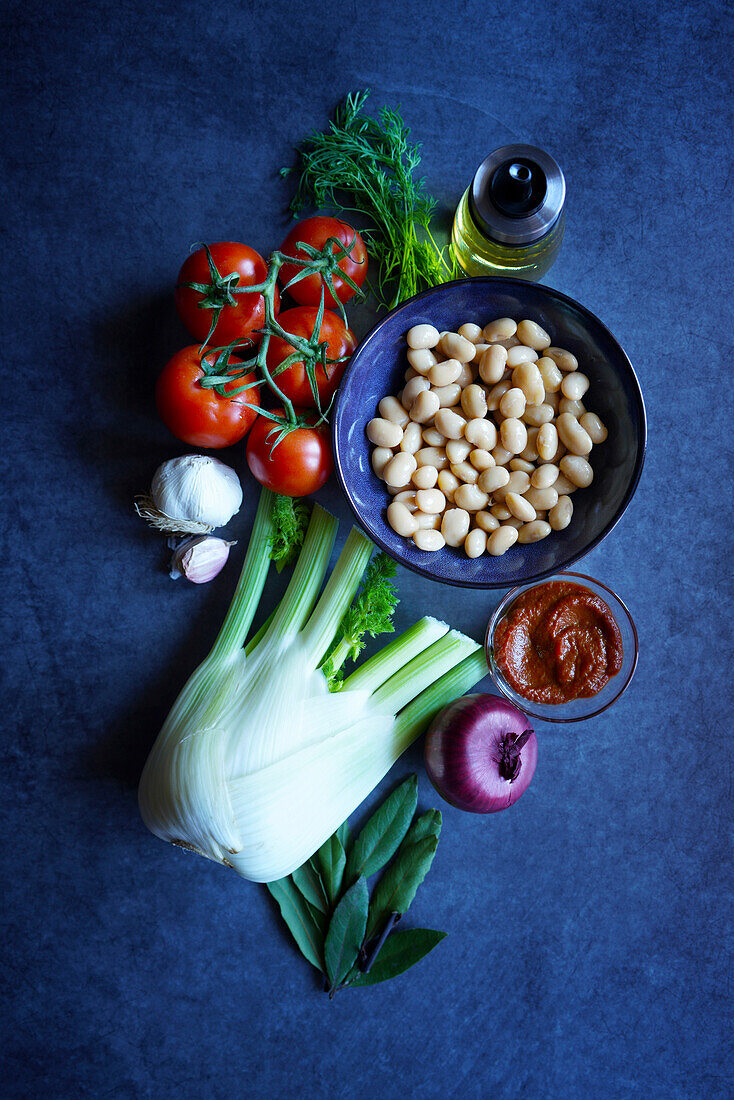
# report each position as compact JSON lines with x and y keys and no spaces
{"x":301,"y":920}
{"x":308,"y":881}
{"x":400,"y":951}
{"x":332,"y":860}
{"x":346,"y":932}
{"x":397,"y":887}
{"x":381,"y":836}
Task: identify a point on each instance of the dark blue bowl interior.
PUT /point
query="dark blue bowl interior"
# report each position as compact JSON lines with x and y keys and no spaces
{"x":377,"y":369}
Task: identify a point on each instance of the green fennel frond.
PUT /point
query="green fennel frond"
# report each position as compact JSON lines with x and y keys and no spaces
{"x":370,"y":614}
{"x":290,"y":520}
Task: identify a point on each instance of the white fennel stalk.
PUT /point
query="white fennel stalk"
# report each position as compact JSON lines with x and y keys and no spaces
{"x":258,"y":763}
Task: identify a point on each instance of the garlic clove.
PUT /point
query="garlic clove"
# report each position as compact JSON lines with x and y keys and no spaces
{"x":200,"y":559}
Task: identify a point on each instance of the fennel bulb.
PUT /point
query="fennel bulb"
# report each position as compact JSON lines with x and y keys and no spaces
{"x":258,"y":763}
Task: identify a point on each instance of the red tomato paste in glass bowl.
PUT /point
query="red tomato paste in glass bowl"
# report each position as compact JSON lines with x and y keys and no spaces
{"x":566,"y":647}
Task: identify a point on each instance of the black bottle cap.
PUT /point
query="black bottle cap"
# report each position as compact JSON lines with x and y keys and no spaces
{"x":517,"y":194}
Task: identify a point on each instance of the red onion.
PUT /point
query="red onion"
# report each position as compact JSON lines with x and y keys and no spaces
{"x":481,"y":753}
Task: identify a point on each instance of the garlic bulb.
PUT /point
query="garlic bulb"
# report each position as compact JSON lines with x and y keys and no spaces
{"x":192,"y":494}
{"x":200,"y":559}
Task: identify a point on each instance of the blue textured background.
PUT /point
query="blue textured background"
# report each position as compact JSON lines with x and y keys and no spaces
{"x":588,"y":952}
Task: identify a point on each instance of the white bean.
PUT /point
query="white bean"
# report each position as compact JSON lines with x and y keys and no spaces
{"x":492,"y":364}
{"x":474,"y":401}
{"x":500,"y":512}
{"x":431,"y":501}
{"x":520,"y":507}
{"x":470,"y":498}
{"x":457,"y":347}
{"x":401,"y":520}
{"x":513,"y":521}
{"x":512,"y":402}
{"x":532,"y":335}
{"x":530,"y":453}
{"x":577,"y":470}
{"x":412,"y":389}
{"x":547,"y":441}
{"x":399,"y":469}
{"x":534,"y":531}
{"x":563,"y":486}
{"x":407,"y":497}
{"x":559,"y":517}
{"x":470,"y":332}
{"x":428,"y":521}
{"x":562,"y":358}
{"x":444,"y":373}
{"x":541,"y":499}
{"x":516,"y":464}
{"x":466,"y":377}
{"x":465,"y":473}
{"x":482,"y":433}
{"x":429,"y":540}
{"x":593,"y":427}
{"x":458,"y":450}
{"x":409,"y":374}
{"x":501,"y":455}
{"x":432,"y":437}
{"x":513,"y":435}
{"x":568,"y":405}
{"x":448,"y":396}
{"x":421,"y":360}
{"x":475,"y":543}
{"x":412,"y":438}
{"x":448,"y":483}
{"x":529,"y":379}
{"x":537,"y":415}
{"x":425,"y":477}
{"x":391,"y":409}
{"x":481,"y":459}
{"x":544,"y":476}
{"x":432,"y":456}
{"x":479,"y":350}
{"x":496,"y":394}
{"x":486,"y":521}
{"x":550,"y":372}
{"x":501,"y":329}
{"x":520,"y":354}
{"x":455,"y":526}
{"x":573,"y":435}
{"x":425,"y":407}
{"x":500,"y":541}
{"x":422,"y":336}
{"x":496,"y":477}
{"x":384,"y":433}
{"x":451,"y":423}
{"x":574,"y":385}
{"x":380,"y":458}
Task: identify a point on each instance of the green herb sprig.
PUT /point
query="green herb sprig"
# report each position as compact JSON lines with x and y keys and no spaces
{"x":370,"y":614}
{"x":326,"y":904}
{"x":366,"y":165}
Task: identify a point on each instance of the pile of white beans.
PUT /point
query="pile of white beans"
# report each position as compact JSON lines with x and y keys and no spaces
{"x":488,"y":439}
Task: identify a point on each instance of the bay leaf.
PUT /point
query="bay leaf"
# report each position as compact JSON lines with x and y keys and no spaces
{"x":380,"y":838}
{"x":346,"y":932}
{"x":400,"y":951}
{"x":332,"y":860}
{"x":397,"y":887}
{"x":301,"y":920}
{"x":308,"y":881}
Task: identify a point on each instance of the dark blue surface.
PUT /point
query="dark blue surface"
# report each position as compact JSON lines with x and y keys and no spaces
{"x":589,"y":951}
{"x":377,"y":369}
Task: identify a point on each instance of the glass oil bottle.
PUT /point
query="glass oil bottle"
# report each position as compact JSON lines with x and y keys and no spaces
{"x":510,"y":220}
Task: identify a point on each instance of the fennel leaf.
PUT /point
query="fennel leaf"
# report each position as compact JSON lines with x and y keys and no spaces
{"x":369,"y":615}
{"x":290,"y":519}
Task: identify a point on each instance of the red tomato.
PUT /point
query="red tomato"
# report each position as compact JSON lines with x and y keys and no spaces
{"x":316,"y":231}
{"x":200,"y":416}
{"x":293,"y":381}
{"x":300,"y":464}
{"x":237,"y":320}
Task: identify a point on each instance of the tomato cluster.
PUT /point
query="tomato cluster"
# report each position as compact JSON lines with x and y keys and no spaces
{"x":214,"y":304}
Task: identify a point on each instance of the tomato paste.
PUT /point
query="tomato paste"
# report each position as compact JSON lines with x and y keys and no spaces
{"x":558,"y":642}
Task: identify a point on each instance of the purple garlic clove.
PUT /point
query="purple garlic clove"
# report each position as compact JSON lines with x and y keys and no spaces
{"x":200,"y":559}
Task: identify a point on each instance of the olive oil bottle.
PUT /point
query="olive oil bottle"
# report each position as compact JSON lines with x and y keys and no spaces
{"x":510,"y":219}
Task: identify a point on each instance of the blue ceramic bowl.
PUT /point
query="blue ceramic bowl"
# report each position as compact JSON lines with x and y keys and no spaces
{"x":377,"y":367}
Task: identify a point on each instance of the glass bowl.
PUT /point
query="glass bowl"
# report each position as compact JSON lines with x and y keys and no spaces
{"x":578,"y":709}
